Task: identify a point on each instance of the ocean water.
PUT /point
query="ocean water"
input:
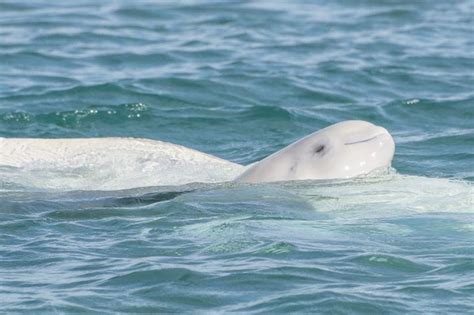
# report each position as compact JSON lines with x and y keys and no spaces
{"x":240,"y":80}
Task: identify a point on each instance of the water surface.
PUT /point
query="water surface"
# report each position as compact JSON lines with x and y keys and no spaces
{"x":240,"y":80}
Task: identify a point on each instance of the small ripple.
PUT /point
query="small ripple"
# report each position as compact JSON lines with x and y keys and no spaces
{"x":324,"y":300}
{"x":273,"y":112}
{"x":107,"y":39}
{"x":390,"y":263}
{"x":461,"y":266}
{"x":113,"y":115}
{"x":153,"y":277}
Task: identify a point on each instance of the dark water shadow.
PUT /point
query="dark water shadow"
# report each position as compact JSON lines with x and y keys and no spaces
{"x":144,"y":200}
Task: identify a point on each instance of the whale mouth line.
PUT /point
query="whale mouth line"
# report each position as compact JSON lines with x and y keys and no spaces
{"x":365,"y":140}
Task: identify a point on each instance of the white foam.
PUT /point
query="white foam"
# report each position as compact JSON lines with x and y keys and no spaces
{"x":388,"y":194}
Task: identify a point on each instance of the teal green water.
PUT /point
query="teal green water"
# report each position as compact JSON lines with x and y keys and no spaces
{"x":240,"y":80}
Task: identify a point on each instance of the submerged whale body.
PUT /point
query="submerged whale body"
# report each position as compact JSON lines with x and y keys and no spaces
{"x":343,"y":150}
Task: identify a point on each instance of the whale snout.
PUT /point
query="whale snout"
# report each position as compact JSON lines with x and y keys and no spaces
{"x":386,"y":140}
{"x":366,"y":134}
{"x":382,"y":131}
{"x":369,"y":145}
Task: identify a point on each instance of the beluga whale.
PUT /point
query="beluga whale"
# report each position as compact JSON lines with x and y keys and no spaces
{"x":344,"y":150}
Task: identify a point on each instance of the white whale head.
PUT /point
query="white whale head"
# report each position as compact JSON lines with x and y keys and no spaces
{"x":343,"y":150}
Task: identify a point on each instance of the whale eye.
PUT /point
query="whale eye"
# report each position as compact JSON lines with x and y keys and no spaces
{"x":319,"y":148}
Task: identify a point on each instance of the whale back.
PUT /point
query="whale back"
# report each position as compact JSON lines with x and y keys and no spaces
{"x":107,"y":164}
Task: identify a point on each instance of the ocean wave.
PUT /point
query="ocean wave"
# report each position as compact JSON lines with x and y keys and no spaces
{"x":239,"y":80}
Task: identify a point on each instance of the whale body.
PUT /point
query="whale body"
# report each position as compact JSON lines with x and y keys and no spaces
{"x":343,"y":150}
